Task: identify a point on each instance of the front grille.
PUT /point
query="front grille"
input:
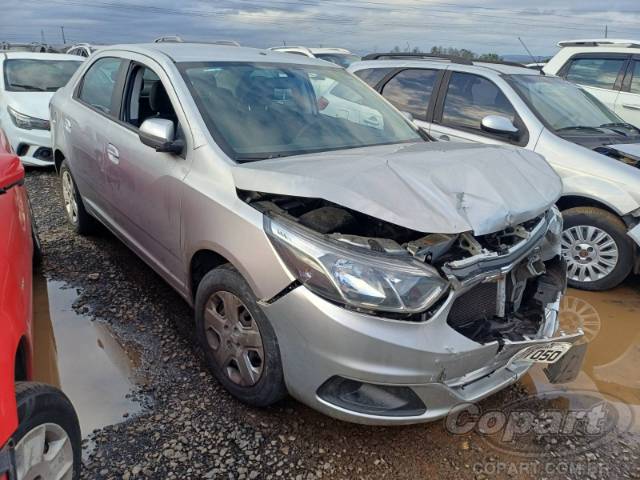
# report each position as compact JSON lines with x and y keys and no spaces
{"x":478,"y":303}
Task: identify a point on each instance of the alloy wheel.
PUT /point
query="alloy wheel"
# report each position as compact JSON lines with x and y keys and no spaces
{"x":68,"y":194}
{"x":591,"y":253}
{"x":234,"y":338}
{"x":45,"y":452}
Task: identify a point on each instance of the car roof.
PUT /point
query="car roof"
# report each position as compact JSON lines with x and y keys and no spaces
{"x":485,"y":67}
{"x":600,"y":43}
{"x":39,"y":56}
{"x":204,"y":52}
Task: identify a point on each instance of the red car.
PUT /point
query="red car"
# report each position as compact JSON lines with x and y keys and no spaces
{"x":39,"y":431}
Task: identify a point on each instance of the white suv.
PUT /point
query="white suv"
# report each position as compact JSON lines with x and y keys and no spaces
{"x":339,"y":56}
{"x":592,"y":149}
{"x":607,"y":68}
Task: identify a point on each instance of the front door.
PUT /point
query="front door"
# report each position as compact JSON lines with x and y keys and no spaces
{"x":146,"y":186}
{"x":468,"y":98}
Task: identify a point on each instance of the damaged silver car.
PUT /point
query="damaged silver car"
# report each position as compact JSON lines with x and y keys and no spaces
{"x":342,"y":258}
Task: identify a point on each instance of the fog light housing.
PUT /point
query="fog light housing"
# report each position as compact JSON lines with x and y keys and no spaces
{"x":371,"y":399}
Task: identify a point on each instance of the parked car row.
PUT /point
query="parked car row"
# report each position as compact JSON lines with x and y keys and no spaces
{"x":330,"y":248}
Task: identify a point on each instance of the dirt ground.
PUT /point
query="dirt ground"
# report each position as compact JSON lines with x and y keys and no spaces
{"x":120,"y":342}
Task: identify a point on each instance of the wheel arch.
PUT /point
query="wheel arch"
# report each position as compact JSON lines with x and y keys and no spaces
{"x":203,"y":261}
{"x":58,"y":158}
{"x":22,"y":365}
{"x":571,"y":201}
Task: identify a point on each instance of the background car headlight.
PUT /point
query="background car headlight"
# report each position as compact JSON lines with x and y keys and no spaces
{"x":26,"y":122}
{"x":366,"y":280}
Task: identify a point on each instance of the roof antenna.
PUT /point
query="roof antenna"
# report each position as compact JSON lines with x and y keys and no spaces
{"x":532,"y":57}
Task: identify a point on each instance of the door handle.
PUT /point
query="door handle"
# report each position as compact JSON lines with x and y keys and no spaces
{"x":631,"y":107}
{"x":444,"y":138}
{"x":113,"y":154}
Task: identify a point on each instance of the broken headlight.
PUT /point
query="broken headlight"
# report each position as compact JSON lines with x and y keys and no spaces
{"x":553,"y":237}
{"x":361,"y":279}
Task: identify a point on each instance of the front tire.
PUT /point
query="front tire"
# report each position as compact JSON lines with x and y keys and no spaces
{"x":76,"y":214}
{"x":598,"y":251}
{"x":239,"y":343}
{"x":47,"y":442}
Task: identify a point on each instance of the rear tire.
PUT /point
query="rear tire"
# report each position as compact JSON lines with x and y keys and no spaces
{"x":598,"y":251}
{"x":76,"y":214}
{"x":240,"y":346}
{"x":47,"y":441}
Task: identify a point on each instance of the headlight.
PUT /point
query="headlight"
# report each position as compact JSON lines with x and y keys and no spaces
{"x":366,"y":280}
{"x":26,"y":122}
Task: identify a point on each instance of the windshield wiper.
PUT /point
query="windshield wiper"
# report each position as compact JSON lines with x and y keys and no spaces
{"x":579,"y":127}
{"x":620,"y":125}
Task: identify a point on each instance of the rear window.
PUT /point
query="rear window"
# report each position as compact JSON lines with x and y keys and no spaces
{"x":35,"y":75}
{"x":595,"y":72}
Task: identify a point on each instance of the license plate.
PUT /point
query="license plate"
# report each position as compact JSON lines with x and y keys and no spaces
{"x":547,"y":353}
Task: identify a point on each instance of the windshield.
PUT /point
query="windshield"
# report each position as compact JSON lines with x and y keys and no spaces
{"x":563,"y":105}
{"x":33,"y":75}
{"x":342,"y":59}
{"x":257,"y":110}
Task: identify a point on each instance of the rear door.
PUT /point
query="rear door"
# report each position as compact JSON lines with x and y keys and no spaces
{"x":598,"y":73}
{"x":87,"y":123}
{"x":411,"y":90}
{"x":464,"y":100}
{"x":628,"y":100}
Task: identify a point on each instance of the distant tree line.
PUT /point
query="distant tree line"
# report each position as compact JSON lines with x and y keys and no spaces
{"x":455,"y":52}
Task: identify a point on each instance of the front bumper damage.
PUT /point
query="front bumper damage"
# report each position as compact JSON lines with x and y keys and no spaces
{"x":365,"y":368}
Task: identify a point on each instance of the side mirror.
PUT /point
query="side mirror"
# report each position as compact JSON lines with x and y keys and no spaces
{"x":159,"y":134}
{"x":11,"y":172}
{"x":499,"y":125}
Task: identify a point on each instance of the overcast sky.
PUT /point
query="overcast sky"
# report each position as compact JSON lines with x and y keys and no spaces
{"x":362,"y":26}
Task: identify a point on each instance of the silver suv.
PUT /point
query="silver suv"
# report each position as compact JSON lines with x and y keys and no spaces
{"x":373,"y":275}
{"x":594,"y":151}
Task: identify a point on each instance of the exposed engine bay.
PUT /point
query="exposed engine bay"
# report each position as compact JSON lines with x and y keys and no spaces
{"x":499,"y":283}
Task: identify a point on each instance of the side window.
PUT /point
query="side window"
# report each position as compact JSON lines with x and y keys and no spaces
{"x":595,"y":72}
{"x":146,"y":98}
{"x":99,"y":82}
{"x":371,"y":76}
{"x":410,"y":91}
{"x":635,"y":79}
{"x":470,"y":98}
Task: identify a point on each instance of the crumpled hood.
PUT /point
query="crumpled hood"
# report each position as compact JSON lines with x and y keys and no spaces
{"x":34,"y":104}
{"x":427,"y":187}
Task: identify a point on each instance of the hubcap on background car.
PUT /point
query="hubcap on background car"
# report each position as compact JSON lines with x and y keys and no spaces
{"x":234,"y":338}
{"x":68,"y":193}
{"x":45,"y":453}
{"x":591,"y":253}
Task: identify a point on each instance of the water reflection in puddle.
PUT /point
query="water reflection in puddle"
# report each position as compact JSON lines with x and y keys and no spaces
{"x":81,"y":357}
{"x":611,"y":322}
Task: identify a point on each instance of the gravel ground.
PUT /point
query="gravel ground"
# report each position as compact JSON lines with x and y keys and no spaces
{"x":192,"y":428}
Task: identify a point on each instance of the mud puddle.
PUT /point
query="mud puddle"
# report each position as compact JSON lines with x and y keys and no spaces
{"x":611,"y":368}
{"x":82,"y":357}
